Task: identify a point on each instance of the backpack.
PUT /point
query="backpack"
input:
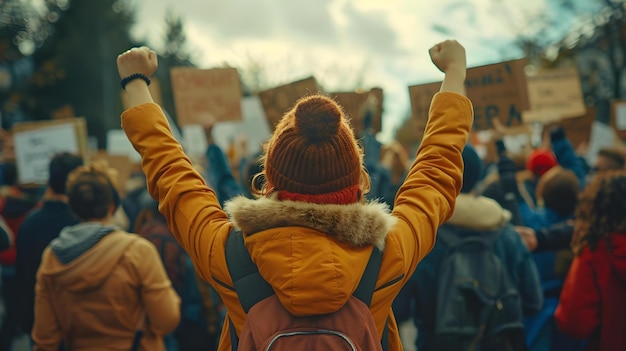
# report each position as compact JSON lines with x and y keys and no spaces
{"x":192,"y":332}
{"x":172,"y":255}
{"x":478,"y":307}
{"x":269,"y":326}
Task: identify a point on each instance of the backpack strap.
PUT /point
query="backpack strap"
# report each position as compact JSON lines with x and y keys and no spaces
{"x":247,"y":281}
{"x":365,"y":290}
{"x":252,"y":288}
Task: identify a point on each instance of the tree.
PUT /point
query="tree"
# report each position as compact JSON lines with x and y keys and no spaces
{"x":175,"y":53}
{"x":80,"y":55}
{"x":23,"y":29}
{"x":587,"y":34}
{"x":597,"y":46}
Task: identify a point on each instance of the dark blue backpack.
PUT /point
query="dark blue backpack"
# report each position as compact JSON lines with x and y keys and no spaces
{"x":478,"y":306}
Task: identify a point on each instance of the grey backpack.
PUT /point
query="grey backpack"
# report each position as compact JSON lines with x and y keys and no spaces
{"x":478,"y":306}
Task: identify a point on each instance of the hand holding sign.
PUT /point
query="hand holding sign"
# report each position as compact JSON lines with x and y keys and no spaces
{"x":137,"y":60}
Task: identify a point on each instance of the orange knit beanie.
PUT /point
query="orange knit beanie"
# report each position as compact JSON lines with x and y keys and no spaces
{"x":313,"y":155}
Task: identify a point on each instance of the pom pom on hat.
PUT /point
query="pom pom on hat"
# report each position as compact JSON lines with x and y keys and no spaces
{"x":313,"y":155}
{"x":540,"y":161}
{"x":317,"y":118}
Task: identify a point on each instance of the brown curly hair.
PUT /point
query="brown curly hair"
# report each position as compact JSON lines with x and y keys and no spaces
{"x":600,"y":210}
{"x":91,"y":190}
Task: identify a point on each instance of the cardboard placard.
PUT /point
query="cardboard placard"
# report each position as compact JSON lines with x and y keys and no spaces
{"x":554,"y":94}
{"x":517,"y":140}
{"x":37,"y":142}
{"x":155,"y":92}
{"x":496,"y":91}
{"x":602,"y":136}
{"x":578,"y":129}
{"x":618,"y":117}
{"x":353,"y":104}
{"x":254,"y":127}
{"x":421,"y":96}
{"x":209,"y":92}
{"x":118,"y":144}
{"x":278,"y":100}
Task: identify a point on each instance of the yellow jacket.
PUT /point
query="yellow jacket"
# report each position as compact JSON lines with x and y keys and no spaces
{"x":97,"y":301}
{"x":312,"y":255}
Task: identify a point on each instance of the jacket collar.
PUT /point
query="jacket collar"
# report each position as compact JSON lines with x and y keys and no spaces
{"x":358,"y":224}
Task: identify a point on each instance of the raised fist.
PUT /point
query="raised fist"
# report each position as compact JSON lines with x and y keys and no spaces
{"x":137,"y":60}
{"x":448,"y":54}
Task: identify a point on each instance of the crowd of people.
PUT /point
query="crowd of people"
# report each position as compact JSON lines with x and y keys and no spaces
{"x":324,"y":228}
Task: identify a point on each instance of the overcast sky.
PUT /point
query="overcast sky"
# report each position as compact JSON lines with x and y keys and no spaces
{"x":334,"y":39}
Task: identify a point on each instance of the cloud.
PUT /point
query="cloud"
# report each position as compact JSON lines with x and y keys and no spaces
{"x":335,"y":39}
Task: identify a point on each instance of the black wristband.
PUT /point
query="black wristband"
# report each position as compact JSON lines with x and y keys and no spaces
{"x":132,"y":77}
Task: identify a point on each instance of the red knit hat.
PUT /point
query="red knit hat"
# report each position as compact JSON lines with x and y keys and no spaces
{"x":540,"y":161}
{"x":313,"y":155}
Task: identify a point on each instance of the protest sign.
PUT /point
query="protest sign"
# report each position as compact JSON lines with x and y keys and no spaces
{"x":554,"y":94}
{"x":118,"y":144}
{"x":155,"y":92}
{"x":199,"y":94}
{"x":354,"y":105}
{"x":37,"y":142}
{"x":602,"y":136}
{"x":496,"y":91}
{"x":578,"y":129}
{"x":421,"y":96}
{"x":278,"y":100}
{"x":254,"y":126}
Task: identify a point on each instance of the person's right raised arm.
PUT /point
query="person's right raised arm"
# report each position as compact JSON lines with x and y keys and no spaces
{"x":428,"y":195}
{"x":191,"y":208}
{"x":449,"y":57}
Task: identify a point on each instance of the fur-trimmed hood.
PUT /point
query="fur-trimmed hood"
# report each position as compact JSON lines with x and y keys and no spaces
{"x":358,"y":224}
{"x":478,"y":213}
{"x":312,"y":255}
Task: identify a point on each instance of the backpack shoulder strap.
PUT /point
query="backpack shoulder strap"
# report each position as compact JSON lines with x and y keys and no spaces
{"x":252,"y":288}
{"x":247,"y":281}
{"x":365,"y":290}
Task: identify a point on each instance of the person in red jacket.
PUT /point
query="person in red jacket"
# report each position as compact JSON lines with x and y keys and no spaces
{"x":593,"y":303}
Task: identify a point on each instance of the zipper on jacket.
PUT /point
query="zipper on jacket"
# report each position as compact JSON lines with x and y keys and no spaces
{"x":391,"y":282}
{"x":319,"y":331}
{"x":223,"y":284}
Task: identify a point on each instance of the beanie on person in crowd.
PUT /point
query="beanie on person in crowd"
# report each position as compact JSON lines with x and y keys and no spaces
{"x":540,"y":161}
{"x":313,"y":155}
{"x":472,"y":169}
